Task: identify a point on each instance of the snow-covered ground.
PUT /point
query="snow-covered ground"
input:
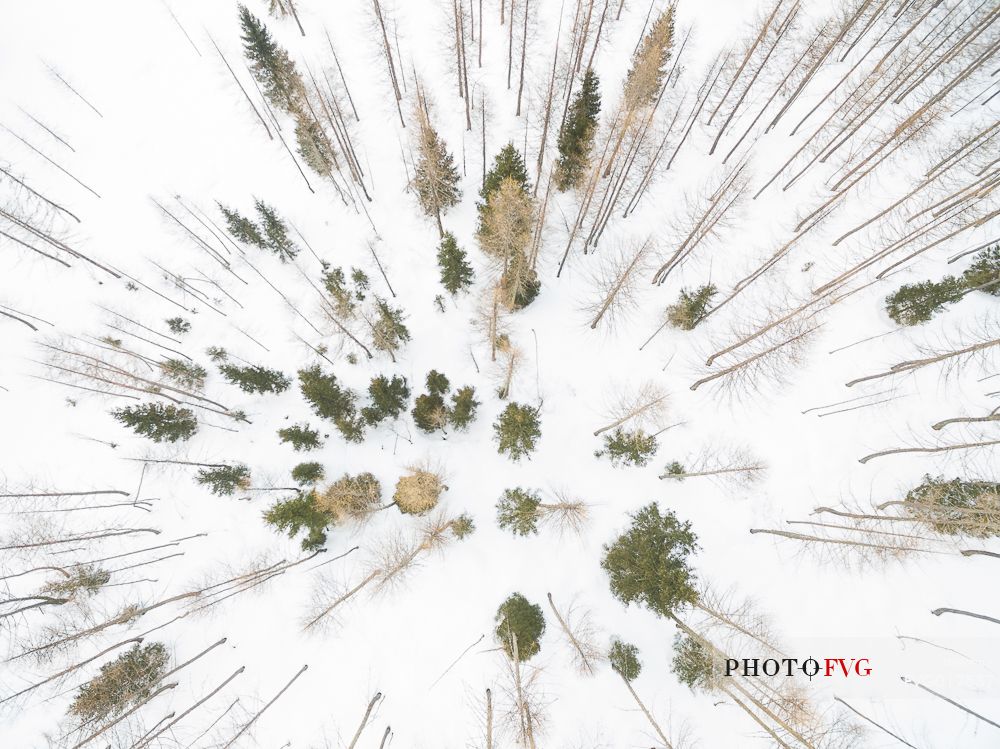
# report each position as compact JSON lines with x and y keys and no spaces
{"x":174,"y":124}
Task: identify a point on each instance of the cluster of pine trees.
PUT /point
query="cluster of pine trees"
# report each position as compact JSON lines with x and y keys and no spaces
{"x":270,"y":235}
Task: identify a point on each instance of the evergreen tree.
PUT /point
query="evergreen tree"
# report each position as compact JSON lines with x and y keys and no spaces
{"x":692,"y":663}
{"x":126,"y":681}
{"x":178,"y":325}
{"x":430,"y":412}
{"x":517,"y":511}
{"x":389,"y":332}
{"x":435,"y":177}
{"x":223,"y":481}
{"x":217,"y":354}
{"x":301,"y":437}
{"x":628,"y":448}
{"x":388,"y":399}
{"x":624,"y":660}
{"x":83,"y":581}
{"x":576,"y":137}
{"x":463,"y":407}
{"x":518,"y":618}
{"x":242,"y":228}
{"x":916,"y":303}
{"x":674,"y":469}
{"x":344,"y":301}
{"x":984,"y":272}
{"x":437,"y":383}
{"x":690,"y":307}
{"x":255,"y":379}
{"x":275,"y":232}
{"x":456,"y":273}
{"x":508,"y":164}
{"x":270,"y":64}
{"x":185,"y":374}
{"x":361,"y":283}
{"x":308,"y":474}
{"x":331,"y":401}
{"x":158,"y":422}
{"x":300,"y":513}
{"x":648,"y":563}
{"x":517,"y":430}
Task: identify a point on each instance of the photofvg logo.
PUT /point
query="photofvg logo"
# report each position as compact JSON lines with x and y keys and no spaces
{"x":809,"y":667}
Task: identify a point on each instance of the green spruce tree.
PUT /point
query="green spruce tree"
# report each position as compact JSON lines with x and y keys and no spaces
{"x":388,"y":399}
{"x":984,"y":273}
{"x":912,"y":304}
{"x":520,"y":622}
{"x":275,"y":232}
{"x":300,"y":513}
{"x":255,"y":379}
{"x":463,"y":407}
{"x":576,"y":137}
{"x":308,"y":474}
{"x":361,"y":283}
{"x":270,"y":64}
{"x":430,"y":413}
{"x":437,"y":383}
{"x":301,"y":437}
{"x":184,"y":373}
{"x":242,"y":228}
{"x":178,"y":325}
{"x":508,"y":163}
{"x":224,"y":481}
{"x":624,"y":660}
{"x":691,"y":307}
{"x":331,"y":401}
{"x":648,"y":563}
{"x":435,"y":178}
{"x":158,"y":422}
{"x":692,"y":663}
{"x":517,"y":430}
{"x":344,"y":301}
{"x":217,"y":354}
{"x":628,"y":448}
{"x":389,"y":332}
{"x":456,"y":273}
{"x":518,"y":511}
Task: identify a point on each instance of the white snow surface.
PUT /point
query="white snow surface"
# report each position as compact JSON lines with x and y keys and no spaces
{"x":174,"y":124}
